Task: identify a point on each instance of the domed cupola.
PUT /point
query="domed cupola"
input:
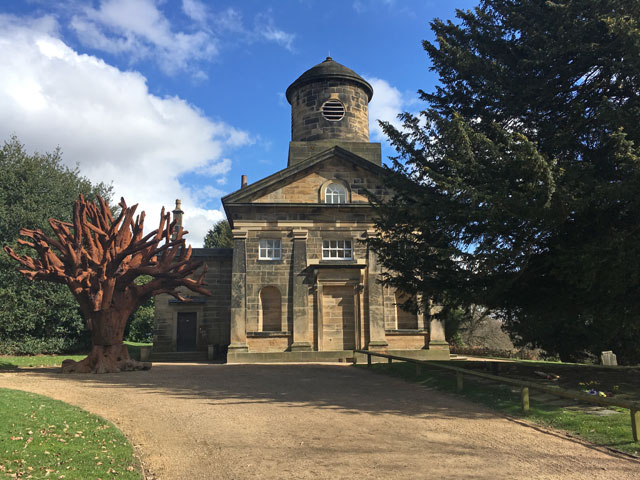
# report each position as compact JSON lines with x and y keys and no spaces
{"x":329,"y":102}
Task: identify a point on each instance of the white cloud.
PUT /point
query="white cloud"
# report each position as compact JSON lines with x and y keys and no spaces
{"x":106,"y":121}
{"x":139,"y":29}
{"x":206,"y":193}
{"x":386,"y":104}
{"x":265,"y":27}
{"x":362,"y":6}
{"x":215,"y":169}
{"x":229,"y":20}
{"x":195,"y":10}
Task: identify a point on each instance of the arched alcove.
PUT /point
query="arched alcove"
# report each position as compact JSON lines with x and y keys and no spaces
{"x":270,"y":309}
{"x":404,"y":320}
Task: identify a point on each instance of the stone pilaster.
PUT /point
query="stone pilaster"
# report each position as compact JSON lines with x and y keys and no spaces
{"x":302,"y":332}
{"x":374,"y":292}
{"x":437,"y":340}
{"x":239,"y":293}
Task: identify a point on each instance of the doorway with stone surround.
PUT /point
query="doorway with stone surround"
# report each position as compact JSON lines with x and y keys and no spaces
{"x":339,"y":322}
{"x":186,"y":335}
{"x":338,"y":309}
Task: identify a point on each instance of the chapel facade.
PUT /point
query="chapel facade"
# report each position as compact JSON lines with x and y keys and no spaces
{"x":299,"y":283}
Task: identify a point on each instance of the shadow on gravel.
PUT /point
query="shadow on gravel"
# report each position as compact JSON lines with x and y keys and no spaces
{"x":350,"y":389}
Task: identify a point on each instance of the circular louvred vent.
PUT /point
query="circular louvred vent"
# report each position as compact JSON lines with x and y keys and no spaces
{"x":333,"y":110}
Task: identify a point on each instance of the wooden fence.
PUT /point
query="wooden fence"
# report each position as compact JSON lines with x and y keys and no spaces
{"x":634,"y":407}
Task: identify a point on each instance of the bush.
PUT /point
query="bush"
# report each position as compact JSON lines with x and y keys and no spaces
{"x":140,"y":324}
{"x":38,"y":346}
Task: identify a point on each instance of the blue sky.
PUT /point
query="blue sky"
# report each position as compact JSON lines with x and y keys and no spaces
{"x":171,"y":99}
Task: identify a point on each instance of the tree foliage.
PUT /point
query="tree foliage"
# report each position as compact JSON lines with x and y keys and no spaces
{"x":140,"y":325}
{"x":219,"y":236}
{"x":141,"y":322}
{"x":517,"y":186}
{"x":37,"y":318}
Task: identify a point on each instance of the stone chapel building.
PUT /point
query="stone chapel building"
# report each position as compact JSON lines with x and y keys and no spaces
{"x":299,"y":283}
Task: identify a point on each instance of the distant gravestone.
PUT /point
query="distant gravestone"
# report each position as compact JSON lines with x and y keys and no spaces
{"x":609,"y":358}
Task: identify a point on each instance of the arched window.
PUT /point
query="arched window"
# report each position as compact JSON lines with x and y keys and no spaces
{"x":404,"y":320}
{"x":335,"y":193}
{"x":270,"y":309}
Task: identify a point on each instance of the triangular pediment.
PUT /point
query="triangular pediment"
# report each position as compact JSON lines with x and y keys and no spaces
{"x":301,"y":183}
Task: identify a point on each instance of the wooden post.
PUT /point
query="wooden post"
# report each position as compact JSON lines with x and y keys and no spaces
{"x":459,"y":382}
{"x":368,"y":359}
{"x":391,"y":360}
{"x":524,"y":394}
{"x":418,"y":369}
{"x":635,"y":423}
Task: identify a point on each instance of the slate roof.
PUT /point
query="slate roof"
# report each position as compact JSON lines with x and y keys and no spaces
{"x":327,"y":70}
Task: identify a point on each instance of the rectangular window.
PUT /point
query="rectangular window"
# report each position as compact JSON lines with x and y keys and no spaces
{"x":270,"y":249}
{"x":337,"y":250}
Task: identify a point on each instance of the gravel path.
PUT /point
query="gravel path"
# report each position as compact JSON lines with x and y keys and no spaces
{"x":314,"y":421}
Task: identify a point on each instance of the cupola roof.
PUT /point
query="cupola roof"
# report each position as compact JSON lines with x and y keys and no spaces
{"x":327,"y":70}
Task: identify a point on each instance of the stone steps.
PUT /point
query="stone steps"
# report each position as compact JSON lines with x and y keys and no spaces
{"x":171,"y":357}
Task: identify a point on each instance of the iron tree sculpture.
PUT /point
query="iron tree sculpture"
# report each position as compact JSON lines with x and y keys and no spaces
{"x":98,"y":258}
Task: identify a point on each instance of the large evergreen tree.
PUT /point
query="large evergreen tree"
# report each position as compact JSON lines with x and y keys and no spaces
{"x":219,"y":236}
{"x":37,"y":317}
{"x":518,"y":184}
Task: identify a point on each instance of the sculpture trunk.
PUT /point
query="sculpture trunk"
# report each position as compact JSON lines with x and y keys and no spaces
{"x":108,"y":353}
{"x":107,"y":327}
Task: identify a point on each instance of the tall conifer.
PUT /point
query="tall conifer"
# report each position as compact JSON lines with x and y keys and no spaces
{"x":518,"y":185}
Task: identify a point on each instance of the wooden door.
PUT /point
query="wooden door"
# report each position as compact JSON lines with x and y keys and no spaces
{"x":338,"y":319}
{"x":187,"y":331}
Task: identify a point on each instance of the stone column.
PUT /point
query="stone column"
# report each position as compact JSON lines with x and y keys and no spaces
{"x":374,"y":292}
{"x":320,"y":313}
{"x":357,"y":311}
{"x":302,"y":334}
{"x":239,"y":293}
{"x":437,"y":340}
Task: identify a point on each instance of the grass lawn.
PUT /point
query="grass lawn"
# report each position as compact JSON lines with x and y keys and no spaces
{"x":45,"y":438}
{"x":11,"y":362}
{"x":134,"y":348}
{"x":612,"y":431}
{"x":137,"y":344}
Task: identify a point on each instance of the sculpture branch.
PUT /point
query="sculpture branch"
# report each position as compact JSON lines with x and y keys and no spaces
{"x":99,"y":259}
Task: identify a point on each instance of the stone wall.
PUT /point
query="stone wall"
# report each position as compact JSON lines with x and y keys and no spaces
{"x":263,"y":273}
{"x":307,"y":188}
{"x":299,"y":151}
{"x":212,"y":312}
{"x":408,"y":341}
{"x":307,"y":122}
{"x":269,"y":344}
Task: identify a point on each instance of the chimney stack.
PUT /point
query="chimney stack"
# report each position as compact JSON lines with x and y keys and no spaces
{"x":243,"y":182}
{"x":177,"y":216}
